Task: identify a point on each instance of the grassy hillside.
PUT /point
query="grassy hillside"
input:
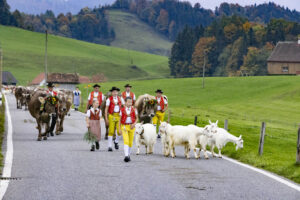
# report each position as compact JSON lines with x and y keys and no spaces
{"x":24,"y":57}
{"x":245,"y":102}
{"x":132,"y":33}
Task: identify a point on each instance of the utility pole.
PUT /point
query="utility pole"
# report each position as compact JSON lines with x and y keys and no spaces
{"x":203,"y":76}
{"x":1,"y":56}
{"x":46,"y":67}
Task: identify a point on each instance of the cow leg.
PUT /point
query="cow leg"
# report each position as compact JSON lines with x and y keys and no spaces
{"x":40,"y":130}
{"x":146,"y":148}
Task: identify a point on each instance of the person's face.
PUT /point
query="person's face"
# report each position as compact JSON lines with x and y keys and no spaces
{"x":128,"y":103}
{"x":96,"y":89}
{"x":158,"y":94}
{"x":127,"y":89}
{"x":50,"y":89}
{"x":96,"y":104}
{"x":115,"y":93}
{"x":77,"y":89}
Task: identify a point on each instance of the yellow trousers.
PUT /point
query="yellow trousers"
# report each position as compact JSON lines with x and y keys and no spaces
{"x":159,"y":117}
{"x":113,"y":121}
{"x":128,"y":134}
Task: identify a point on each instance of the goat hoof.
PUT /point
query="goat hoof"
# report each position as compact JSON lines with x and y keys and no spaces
{"x":45,"y":138}
{"x":39,"y":139}
{"x":206,"y":158}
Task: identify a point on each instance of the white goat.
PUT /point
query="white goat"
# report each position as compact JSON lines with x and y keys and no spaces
{"x":219,"y":140}
{"x":180,"y":135}
{"x":145,"y":135}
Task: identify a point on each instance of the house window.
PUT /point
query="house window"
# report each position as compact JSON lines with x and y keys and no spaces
{"x":285,"y":69}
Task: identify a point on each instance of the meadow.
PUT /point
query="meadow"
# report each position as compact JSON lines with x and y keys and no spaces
{"x":134,"y":34}
{"x":246,"y":102}
{"x":23,"y":55}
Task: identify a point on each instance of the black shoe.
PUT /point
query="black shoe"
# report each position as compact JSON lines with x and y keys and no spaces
{"x":158,"y":136}
{"x":51,"y":133}
{"x":116,"y":145}
{"x":97,"y":145}
{"x":126,"y":159}
{"x":129,"y":158}
{"x":93,"y":148}
{"x":110,"y":149}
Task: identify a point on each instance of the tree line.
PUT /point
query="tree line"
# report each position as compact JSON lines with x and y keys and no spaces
{"x":230,"y":46}
{"x":169,"y":17}
{"x":89,"y":24}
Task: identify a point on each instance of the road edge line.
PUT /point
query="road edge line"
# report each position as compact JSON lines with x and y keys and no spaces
{"x":9,"y":152}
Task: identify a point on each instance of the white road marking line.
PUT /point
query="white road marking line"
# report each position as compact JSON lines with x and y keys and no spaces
{"x":9,"y":153}
{"x":264,"y":172}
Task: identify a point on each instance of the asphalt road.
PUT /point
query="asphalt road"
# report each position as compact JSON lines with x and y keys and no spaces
{"x":63,"y":168}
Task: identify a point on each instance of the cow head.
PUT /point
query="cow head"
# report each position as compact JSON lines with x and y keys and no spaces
{"x":239,"y":143}
{"x":149,"y":107}
{"x":50,"y":104}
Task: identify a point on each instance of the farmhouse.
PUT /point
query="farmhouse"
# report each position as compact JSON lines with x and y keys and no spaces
{"x":64,"y":81}
{"x":285,"y":59}
{"x":8,"y":78}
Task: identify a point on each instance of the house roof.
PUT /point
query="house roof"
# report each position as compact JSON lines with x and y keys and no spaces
{"x":38,"y":79}
{"x":285,"y":52}
{"x":84,"y":79}
{"x":8,"y":78}
{"x":63,"y":78}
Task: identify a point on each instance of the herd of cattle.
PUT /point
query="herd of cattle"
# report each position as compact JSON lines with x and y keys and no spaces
{"x":190,"y":136}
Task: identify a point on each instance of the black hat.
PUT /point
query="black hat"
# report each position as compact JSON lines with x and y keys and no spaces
{"x":96,"y":85}
{"x":128,"y":85}
{"x":159,"y":91}
{"x":114,"y":88}
{"x":50,"y":84}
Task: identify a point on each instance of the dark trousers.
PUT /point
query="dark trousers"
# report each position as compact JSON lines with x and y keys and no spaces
{"x":53,"y":123}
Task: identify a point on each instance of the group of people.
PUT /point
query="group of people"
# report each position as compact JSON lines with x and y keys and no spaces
{"x":120,"y":116}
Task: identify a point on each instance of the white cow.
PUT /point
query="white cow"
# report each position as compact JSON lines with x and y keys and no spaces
{"x":180,"y":135}
{"x":145,"y":135}
{"x":219,"y":140}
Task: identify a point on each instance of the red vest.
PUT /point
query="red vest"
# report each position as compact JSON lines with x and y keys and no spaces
{"x":92,"y":98}
{"x":55,"y":93}
{"x":161,"y":103}
{"x":112,"y":104}
{"x":124,"y":95}
{"x":124,"y":115}
{"x":95,"y":116}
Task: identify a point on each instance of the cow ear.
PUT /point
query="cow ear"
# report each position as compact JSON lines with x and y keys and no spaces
{"x":41,"y":99}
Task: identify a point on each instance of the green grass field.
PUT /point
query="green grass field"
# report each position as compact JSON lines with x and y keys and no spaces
{"x":134,"y":34}
{"x":245,"y":102}
{"x":23,"y":55}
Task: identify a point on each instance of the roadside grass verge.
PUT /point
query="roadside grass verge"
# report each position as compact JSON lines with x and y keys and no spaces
{"x":2,"y":127}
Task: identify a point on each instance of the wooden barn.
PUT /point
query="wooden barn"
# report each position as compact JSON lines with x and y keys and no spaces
{"x":8,"y":78}
{"x":285,"y":59}
{"x":64,"y":80}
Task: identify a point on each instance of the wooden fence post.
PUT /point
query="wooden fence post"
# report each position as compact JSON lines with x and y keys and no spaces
{"x":226,"y":124}
{"x":298,"y":147}
{"x":195,"y":122}
{"x":262,"y":138}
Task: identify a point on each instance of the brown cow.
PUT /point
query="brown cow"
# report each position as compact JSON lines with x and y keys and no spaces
{"x":146,"y":111}
{"x":64,"y":107}
{"x":42,"y":118}
{"x":19,"y":96}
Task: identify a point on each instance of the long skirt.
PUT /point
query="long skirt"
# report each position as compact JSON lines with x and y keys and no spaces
{"x":76,"y":101}
{"x":95,"y":128}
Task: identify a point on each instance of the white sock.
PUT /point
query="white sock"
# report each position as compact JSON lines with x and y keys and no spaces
{"x":110,"y":141}
{"x":126,"y":150}
{"x":117,"y":139}
{"x":129,"y":151}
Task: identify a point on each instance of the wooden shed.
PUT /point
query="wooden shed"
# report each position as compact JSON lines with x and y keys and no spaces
{"x":64,"y":80}
{"x":285,"y":59}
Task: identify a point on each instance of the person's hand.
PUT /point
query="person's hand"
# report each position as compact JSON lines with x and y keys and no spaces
{"x":120,"y":132}
{"x":88,"y":126}
{"x":106,"y":122}
{"x":132,"y":126}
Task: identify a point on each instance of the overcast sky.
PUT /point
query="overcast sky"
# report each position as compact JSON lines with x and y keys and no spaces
{"x":291,"y":4}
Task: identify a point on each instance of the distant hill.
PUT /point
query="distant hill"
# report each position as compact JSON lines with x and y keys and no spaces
{"x":57,"y":6}
{"x":23,"y":55}
{"x":132,"y":33}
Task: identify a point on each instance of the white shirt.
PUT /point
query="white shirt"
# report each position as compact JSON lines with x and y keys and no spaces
{"x":95,"y":96}
{"x":158,"y":103}
{"x":128,"y":111}
{"x":75,"y":91}
{"x":128,"y":95}
{"x":117,"y":107}
{"x":88,"y":113}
